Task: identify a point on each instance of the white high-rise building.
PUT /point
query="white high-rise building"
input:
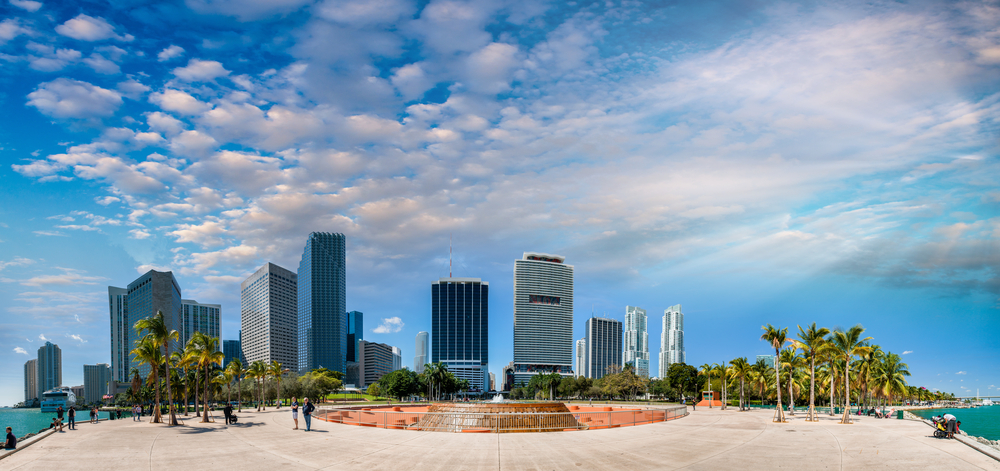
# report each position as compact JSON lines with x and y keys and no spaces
{"x":672,"y":339}
{"x":420,"y":357}
{"x":122,"y":335}
{"x":543,"y":316}
{"x":636,"y":343}
{"x":49,"y":368}
{"x":581,"y":357}
{"x":269,"y":316}
{"x":397,"y":358}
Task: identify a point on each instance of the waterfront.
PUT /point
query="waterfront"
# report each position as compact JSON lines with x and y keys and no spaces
{"x":981,"y":421}
{"x":25,"y":421}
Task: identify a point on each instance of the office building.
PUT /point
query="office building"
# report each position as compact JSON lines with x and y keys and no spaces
{"x":269,"y":317}
{"x":198,"y":317}
{"x":672,"y":339}
{"x":420,"y":358}
{"x":152,"y":292}
{"x":543,"y":316}
{"x":636,"y":348}
{"x":493,"y":382}
{"x":79,"y":392}
{"x":122,"y":334}
{"x":374,"y":362}
{"x":508,"y":377}
{"x":397,"y":358}
{"x":355,"y":332}
{"x":95,"y":382}
{"x":581,"y":357}
{"x":232,"y":351}
{"x":48,"y":373}
{"x":30,"y":381}
{"x":603,"y":343}
{"x":768,"y":360}
{"x":322,"y":298}
{"x":460,"y":328}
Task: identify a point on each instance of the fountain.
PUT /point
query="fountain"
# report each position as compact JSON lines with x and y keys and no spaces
{"x":499,"y":416}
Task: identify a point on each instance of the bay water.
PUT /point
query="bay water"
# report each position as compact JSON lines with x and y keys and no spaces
{"x":25,"y":421}
{"x":981,"y":421}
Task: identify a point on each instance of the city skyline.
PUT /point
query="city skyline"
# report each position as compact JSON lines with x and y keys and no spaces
{"x":780,"y":164}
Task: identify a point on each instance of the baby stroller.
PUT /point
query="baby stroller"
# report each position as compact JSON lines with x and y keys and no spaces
{"x":940,"y":427}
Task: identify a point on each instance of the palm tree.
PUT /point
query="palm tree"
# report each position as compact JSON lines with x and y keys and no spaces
{"x":160,"y":335}
{"x":848,"y":344}
{"x":146,"y":352}
{"x":435,"y":374}
{"x":185,"y":360}
{"x":759,"y":374}
{"x":810,"y":340}
{"x":741,"y":369}
{"x":706,"y":370}
{"x":207,"y":354}
{"x":722,"y":371}
{"x":776,"y":337}
{"x":791,"y":361}
{"x":257,"y":371}
{"x":235,"y":368}
{"x":229,"y":373}
{"x":891,"y":376}
{"x":276,"y":371}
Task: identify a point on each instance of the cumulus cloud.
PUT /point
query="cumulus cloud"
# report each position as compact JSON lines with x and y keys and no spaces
{"x":20,"y":350}
{"x":179,"y":102}
{"x":170,"y":52}
{"x":28,"y":5}
{"x":76,"y":337}
{"x":961,"y":373}
{"x":10,"y":29}
{"x":389,"y":325}
{"x":139,"y":234}
{"x":42,"y":338}
{"x":74,"y":99}
{"x":17,"y":261}
{"x":106,"y":200}
{"x":907,"y":352}
{"x":200,"y":71}
{"x":68,"y":277}
{"x":88,"y":28}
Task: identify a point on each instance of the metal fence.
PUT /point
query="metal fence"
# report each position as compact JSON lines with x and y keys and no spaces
{"x":498,"y":422}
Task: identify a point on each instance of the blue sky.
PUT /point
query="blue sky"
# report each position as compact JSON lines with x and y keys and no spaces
{"x":756,"y":162}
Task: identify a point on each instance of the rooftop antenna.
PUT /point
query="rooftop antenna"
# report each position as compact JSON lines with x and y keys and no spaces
{"x":449,"y":255}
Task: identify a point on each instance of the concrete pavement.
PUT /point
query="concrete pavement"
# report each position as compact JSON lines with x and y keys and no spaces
{"x":707,"y":439}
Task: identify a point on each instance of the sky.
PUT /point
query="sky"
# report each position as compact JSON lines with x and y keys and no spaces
{"x":756,"y":162}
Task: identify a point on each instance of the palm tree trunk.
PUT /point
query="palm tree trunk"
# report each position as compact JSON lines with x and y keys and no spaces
{"x":170,"y":396}
{"x":847,"y":392}
{"x":197,"y":390}
{"x":157,"y":418}
{"x":777,"y":385}
{"x":204,"y":417}
{"x":791,"y":397}
{"x":239,"y":393}
{"x":832,"y":387}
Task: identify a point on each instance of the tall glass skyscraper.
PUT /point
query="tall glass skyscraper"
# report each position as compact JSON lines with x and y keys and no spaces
{"x":198,"y":317}
{"x":322,"y":301}
{"x":153,"y":291}
{"x":636,"y":340}
{"x":122,"y":335}
{"x":269,"y":326}
{"x":95,"y":382}
{"x":581,"y":357}
{"x":49,"y":372}
{"x":232,"y":351}
{"x":543,"y":316}
{"x":672,"y":339}
{"x":420,"y":358}
{"x":460,"y":325}
{"x":604,"y":346}
{"x":355,"y":332}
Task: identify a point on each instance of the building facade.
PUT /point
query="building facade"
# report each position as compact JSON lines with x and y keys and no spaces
{"x":152,"y":292}
{"x":30,"y":381}
{"x":543,"y":316}
{"x":232,"y":351}
{"x":48,"y":374}
{"x":672,"y":339}
{"x":420,"y":357}
{"x":636,"y":347}
{"x":198,"y":317}
{"x":460,"y":328}
{"x":322,"y":301}
{"x":603,"y":346}
{"x":269,"y":317}
{"x":374,"y":362}
{"x":96,"y":379}
{"x":122,"y":334}
{"x":397,"y":358}
{"x":355,"y":332}
{"x":581,"y":357}
{"x":768,"y":360}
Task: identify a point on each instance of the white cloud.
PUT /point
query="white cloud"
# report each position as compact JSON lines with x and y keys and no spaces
{"x":200,"y":71}
{"x":961,"y":373}
{"x":106,"y":200}
{"x":10,"y":29}
{"x":20,"y":350}
{"x":76,"y":337}
{"x":66,"y":278}
{"x":102,"y":65}
{"x":907,"y":352}
{"x":179,"y":102}
{"x":389,"y":325}
{"x":42,"y":338}
{"x":67,"y":98}
{"x":17,"y":261}
{"x":170,"y":52}
{"x":29,"y":5}
{"x":50,"y":233}
{"x":88,"y":28}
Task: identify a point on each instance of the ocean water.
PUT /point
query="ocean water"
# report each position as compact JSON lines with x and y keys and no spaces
{"x":25,"y":421}
{"x":981,"y":421}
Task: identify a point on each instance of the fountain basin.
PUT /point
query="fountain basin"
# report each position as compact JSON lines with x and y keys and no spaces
{"x":499,"y":417}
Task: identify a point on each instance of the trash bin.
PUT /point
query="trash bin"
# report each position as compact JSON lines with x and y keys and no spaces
{"x":899,"y":414}
{"x":836,"y":410}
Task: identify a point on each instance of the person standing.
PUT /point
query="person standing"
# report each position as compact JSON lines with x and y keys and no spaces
{"x":11,"y":442}
{"x":295,"y":412}
{"x":72,"y":418}
{"x":307,"y":411}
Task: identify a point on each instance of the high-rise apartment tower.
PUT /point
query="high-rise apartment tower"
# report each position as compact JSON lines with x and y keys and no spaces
{"x":604,"y":346}
{"x":49,"y":371}
{"x":672,"y":339}
{"x":543,"y":316}
{"x":269,"y":317}
{"x":420,"y":357}
{"x":636,"y":346}
{"x":30,"y":381}
{"x":581,"y":357}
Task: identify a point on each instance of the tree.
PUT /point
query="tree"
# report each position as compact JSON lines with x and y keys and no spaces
{"x":374,"y":391}
{"x":319,"y":385}
{"x":399,"y":383}
{"x":206,"y":352}
{"x":147,"y":353}
{"x":275,"y":371}
{"x":776,"y":337}
{"x":684,"y":377}
{"x":890,"y":376}
{"x":236,"y":368}
{"x":740,"y":369}
{"x":159,"y":335}
{"x":706,"y":370}
{"x":791,"y":362}
{"x":811,"y":339}
{"x":847,"y":344}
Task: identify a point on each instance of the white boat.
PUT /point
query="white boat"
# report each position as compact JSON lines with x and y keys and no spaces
{"x":55,"y":397}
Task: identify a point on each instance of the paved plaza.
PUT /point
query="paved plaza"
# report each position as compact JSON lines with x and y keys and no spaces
{"x":707,"y":439}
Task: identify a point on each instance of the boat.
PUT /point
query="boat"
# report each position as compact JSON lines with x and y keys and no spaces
{"x":59,"y":396}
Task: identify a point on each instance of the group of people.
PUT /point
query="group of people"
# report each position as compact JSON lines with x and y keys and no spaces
{"x":307,"y":410}
{"x":878,"y":415}
{"x":949,"y":423}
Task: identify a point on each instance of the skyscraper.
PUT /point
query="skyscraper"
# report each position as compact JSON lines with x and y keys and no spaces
{"x":672,"y":339}
{"x":374,"y":361}
{"x":122,"y":334}
{"x":95,"y":382}
{"x":152,"y":292}
{"x":198,"y":317}
{"x":397,"y":358}
{"x":581,"y":357}
{"x":355,"y":332}
{"x":30,"y":381}
{"x":420,"y":357}
{"x":604,"y":346}
{"x":460,"y":327}
{"x":322,"y":295}
{"x":49,"y":371}
{"x":543,"y":316}
{"x":636,"y":331}
{"x":269,"y":317}
{"x":232,"y":351}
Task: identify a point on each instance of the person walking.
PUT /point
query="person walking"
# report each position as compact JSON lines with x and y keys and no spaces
{"x":307,"y":411}
{"x":295,"y":412}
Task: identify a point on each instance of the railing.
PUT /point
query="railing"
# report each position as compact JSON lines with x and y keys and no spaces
{"x":499,"y":422}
